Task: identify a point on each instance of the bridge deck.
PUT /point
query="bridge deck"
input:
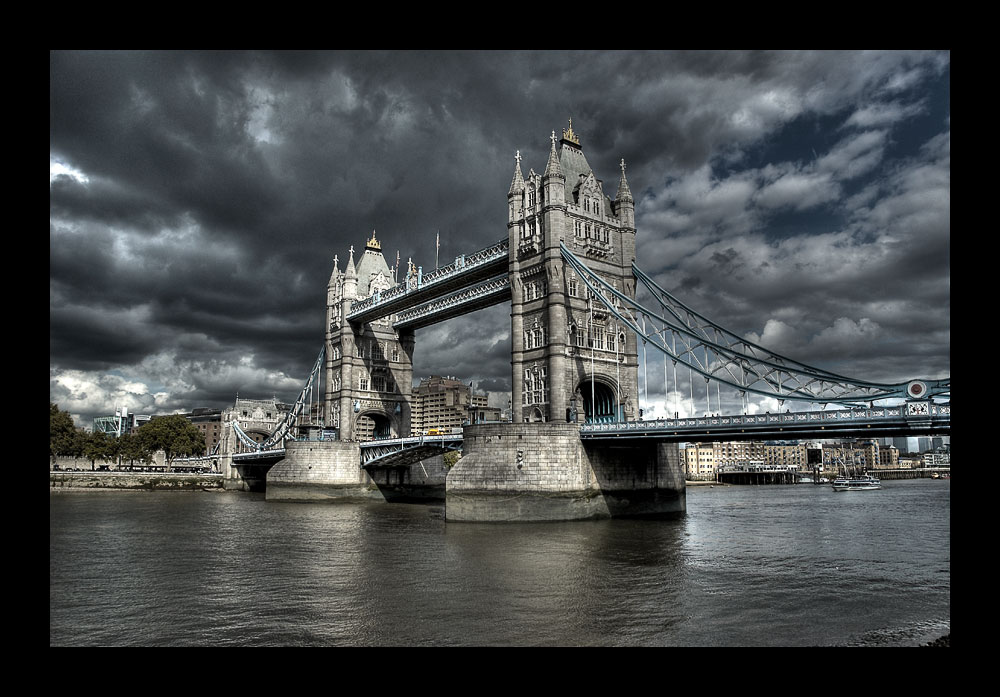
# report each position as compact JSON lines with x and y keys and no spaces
{"x":465,"y":271}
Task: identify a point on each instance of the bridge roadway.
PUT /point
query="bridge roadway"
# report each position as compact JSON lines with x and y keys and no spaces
{"x":902,"y":420}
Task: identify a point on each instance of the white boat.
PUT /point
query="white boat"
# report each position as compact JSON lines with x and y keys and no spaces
{"x":862,"y":483}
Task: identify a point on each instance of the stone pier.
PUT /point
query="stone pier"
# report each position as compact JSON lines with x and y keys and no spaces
{"x":331,"y":471}
{"x":543,"y":471}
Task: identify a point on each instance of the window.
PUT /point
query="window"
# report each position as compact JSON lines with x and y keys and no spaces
{"x":535,"y":390}
{"x":572,"y":287}
{"x":363,"y":382}
{"x":395,"y":354}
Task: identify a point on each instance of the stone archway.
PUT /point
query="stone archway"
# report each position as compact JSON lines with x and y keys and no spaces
{"x":598,"y":403}
{"x":371,"y":425}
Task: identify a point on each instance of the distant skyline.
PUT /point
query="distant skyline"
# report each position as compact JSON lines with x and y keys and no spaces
{"x":197,"y":199}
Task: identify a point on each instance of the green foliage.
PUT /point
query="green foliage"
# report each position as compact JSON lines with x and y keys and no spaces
{"x":129,"y":448}
{"x":98,"y":446}
{"x":174,"y":435}
{"x":451,"y":458}
{"x":64,"y":438}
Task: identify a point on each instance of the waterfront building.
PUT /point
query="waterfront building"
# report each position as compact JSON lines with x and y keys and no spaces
{"x":703,"y":461}
{"x":699,"y":462}
{"x":888,"y":457}
{"x":209,"y":423}
{"x":123,"y":421}
{"x":857,"y":455}
{"x":446,"y":403}
{"x":937,"y":458}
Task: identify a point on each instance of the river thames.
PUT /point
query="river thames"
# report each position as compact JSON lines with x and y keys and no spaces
{"x":796,"y":565}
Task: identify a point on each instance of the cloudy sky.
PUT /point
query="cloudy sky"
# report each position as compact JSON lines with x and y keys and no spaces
{"x":801,"y":199}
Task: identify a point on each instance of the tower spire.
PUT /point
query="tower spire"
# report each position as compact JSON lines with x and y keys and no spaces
{"x":552,"y":167}
{"x":624,"y":193}
{"x":517,"y":183}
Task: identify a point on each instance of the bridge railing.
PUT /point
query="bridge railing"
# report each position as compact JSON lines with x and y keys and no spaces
{"x":904,"y":411}
{"x":462,"y":264}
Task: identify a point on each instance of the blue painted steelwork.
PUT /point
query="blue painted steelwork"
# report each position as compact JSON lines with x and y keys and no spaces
{"x":284,"y":429}
{"x":922,"y":418}
{"x":718,"y":354}
{"x":419,"y":287}
{"x":404,"y":451}
{"x":469,"y":299}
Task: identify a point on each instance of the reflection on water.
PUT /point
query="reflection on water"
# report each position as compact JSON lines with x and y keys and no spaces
{"x":747,"y":566}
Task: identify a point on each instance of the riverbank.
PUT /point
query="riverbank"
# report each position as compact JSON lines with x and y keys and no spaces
{"x":134,"y":481}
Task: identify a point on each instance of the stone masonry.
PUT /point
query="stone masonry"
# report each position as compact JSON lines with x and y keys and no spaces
{"x":543,"y":471}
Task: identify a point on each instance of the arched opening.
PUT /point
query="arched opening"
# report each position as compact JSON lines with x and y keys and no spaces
{"x":598,"y":402}
{"x":536,"y":416}
{"x":372,"y":426}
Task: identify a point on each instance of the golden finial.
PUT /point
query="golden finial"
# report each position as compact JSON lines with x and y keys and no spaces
{"x":373,"y":243}
{"x":569,"y":135}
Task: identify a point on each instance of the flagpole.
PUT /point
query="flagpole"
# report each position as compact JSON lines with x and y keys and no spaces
{"x":437,"y":250}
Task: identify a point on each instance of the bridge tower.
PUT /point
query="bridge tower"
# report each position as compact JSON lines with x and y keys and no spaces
{"x":369,"y":366}
{"x":567,"y":350}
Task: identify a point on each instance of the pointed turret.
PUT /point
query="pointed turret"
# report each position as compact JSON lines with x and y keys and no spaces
{"x":351,"y":272}
{"x":517,"y":183}
{"x":553,"y":179}
{"x":515,"y":197}
{"x":624,"y":193}
{"x":624,"y":203}
{"x":553,"y":167}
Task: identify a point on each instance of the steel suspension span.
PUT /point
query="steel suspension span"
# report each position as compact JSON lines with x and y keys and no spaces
{"x":284,"y":430}
{"x":716,"y":353}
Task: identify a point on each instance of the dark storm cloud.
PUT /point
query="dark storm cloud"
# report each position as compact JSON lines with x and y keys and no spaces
{"x":206,"y":193}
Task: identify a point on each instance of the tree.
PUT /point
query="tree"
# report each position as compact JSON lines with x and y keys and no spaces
{"x":98,"y":446}
{"x":129,"y":447}
{"x":174,"y":435}
{"x":64,"y":438}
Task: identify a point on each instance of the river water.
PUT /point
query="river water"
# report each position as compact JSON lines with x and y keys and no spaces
{"x":797,"y":565}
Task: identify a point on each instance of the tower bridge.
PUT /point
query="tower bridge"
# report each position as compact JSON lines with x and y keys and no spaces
{"x":567,"y":268}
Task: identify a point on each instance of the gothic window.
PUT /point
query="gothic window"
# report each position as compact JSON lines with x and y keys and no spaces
{"x":572,"y":287}
{"x":535,"y":390}
{"x":578,"y":228}
{"x":395,"y":354}
{"x":335,"y":353}
{"x":336,"y":383}
{"x":597,"y":335}
{"x":531,"y":197}
{"x":378,"y":383}
{"x":359,"y":349}
{"x":363,"y":382}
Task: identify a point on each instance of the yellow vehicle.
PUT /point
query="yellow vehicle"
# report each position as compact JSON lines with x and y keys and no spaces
{"x":435,"y":431}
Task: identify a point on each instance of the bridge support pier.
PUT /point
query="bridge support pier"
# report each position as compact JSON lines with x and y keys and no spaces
{"x":313,"y":471}
{"x":543,"y":471}
{"x":320,"y":471}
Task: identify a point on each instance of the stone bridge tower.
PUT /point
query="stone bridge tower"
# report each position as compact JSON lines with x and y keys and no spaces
{"x":369,"y":367}
{"x":566,"y":349}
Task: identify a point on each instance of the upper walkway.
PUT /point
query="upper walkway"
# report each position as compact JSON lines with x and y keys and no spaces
{"x":451,"y":279}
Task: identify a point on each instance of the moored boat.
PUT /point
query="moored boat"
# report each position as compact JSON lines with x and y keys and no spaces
{"x":862,"y":483}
